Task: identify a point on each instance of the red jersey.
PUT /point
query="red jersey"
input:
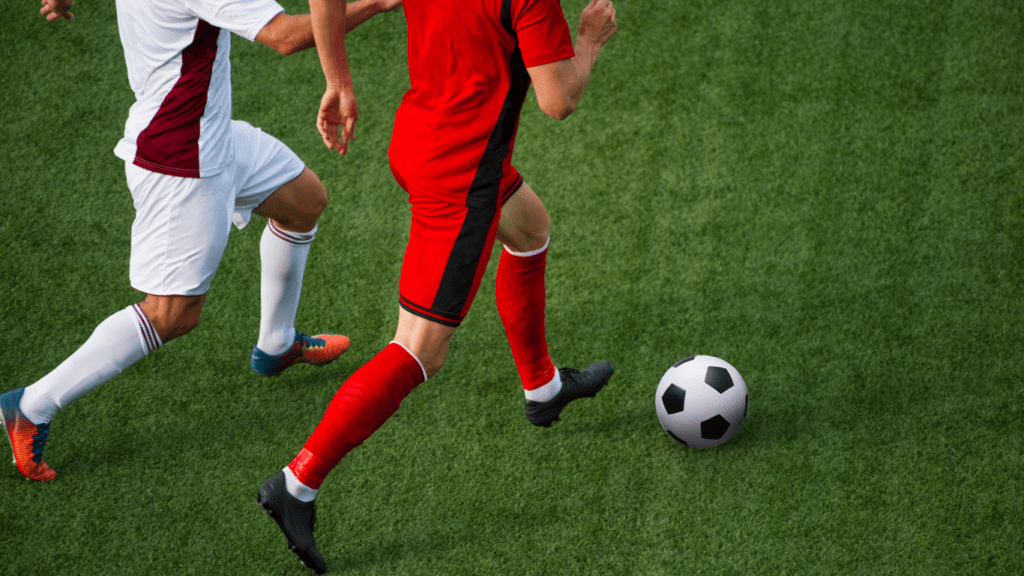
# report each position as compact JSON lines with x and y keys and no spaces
{"x":455,"y":129}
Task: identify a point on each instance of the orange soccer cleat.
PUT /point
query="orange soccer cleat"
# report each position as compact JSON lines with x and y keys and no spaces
{"x":27,"y":439}
{"x":319,"y":350}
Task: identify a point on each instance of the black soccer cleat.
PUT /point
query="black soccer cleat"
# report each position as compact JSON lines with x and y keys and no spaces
{"x":575,"y":384}
{"x":295,"y":518}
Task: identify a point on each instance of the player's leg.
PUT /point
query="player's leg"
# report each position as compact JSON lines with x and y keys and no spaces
{"x":520,"y":294}
{"x":277,"y":185}
{"x":118,"y":342}
{"x":178,"y":238}
{"x":519,"y":290}
{"x":444,"y":261}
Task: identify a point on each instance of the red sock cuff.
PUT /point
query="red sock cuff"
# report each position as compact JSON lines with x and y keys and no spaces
{"x":310,"y":469}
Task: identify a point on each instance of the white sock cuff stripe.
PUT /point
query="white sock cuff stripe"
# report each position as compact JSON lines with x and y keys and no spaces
{"x":147,"y":333}
{"x":531,"y":253}
{"x":297,"y":238}
{"x":414,"y":358}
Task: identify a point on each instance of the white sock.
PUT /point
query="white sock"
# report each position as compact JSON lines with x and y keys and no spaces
{"x":283,"y":256}
{"x":118,"y":342}
{"x":547,"y":391}
{"x":298,"y":489}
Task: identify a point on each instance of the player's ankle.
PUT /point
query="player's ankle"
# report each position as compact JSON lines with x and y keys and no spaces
{"x":296,"y":488}
{"x":547,"y":391}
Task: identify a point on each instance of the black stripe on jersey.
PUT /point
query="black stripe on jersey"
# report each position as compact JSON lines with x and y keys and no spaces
{"x":506,"y":17}
{"x":482,"y":199}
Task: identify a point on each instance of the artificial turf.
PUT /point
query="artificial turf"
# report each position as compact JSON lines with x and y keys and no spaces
{"x":829,"y":195}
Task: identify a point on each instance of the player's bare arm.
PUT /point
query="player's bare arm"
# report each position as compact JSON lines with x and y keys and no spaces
{"x":291,"y":33}
{"x":54,"y":9}
{"x":560,"y":85}
{"x":338,"y":112}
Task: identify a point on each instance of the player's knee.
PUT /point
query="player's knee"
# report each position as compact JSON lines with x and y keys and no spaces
{"x":538,"y":234}
{"x":185,"y":321}
{"x":316,"y":201}
{"x":310,"y":205}
{"x":176,"y":322}
{"x":532,"y":238}
{"x":171,"y":327}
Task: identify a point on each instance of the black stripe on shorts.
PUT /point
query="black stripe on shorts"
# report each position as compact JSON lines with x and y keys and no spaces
{"x":484,"y":192}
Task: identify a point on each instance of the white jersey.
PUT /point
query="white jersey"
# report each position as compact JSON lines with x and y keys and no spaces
{"x":178,"y":53}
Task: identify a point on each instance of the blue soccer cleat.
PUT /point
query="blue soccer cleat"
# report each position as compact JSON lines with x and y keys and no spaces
{"x":318,"y":350}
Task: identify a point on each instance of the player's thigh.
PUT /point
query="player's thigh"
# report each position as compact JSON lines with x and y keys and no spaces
{"x":297,"y":205}
{"x":180,"y":231}
{"x":448,"y":250}
{"x":524,"y":225}
{"x":263,"y":165}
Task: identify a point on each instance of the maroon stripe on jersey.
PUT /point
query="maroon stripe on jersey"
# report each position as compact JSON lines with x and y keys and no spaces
{"x":170,"y":143}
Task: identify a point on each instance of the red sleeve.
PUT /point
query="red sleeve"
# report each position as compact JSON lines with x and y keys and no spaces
{"x":542,"y":31}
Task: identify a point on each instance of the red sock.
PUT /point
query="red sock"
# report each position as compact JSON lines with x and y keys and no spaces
{"x":365,"y":401}
{"x":519,"y":290}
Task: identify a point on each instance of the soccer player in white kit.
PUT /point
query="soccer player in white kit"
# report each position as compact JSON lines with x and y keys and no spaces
{"x":192,"y":172}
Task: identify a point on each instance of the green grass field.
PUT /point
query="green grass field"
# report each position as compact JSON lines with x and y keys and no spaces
{"x":829,"y":195}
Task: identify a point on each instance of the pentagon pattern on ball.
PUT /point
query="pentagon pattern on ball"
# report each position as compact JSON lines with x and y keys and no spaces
{"x":701,"y":401}
{"x":714,"y":428}
{"x":718,"y":378}
{"x":674,"y":399}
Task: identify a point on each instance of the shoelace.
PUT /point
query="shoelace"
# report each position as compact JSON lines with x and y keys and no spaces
{"x":311,"y":342}
{"x":39,"y":441}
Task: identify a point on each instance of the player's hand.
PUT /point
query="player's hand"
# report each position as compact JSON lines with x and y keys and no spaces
{"x":54,"y":9}
{"x":337,"y":118}
{"x":389,"y":5}
{"x":597,"y":22}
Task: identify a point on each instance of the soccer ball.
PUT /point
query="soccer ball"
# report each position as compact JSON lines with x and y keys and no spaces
{"x":702,"y":401}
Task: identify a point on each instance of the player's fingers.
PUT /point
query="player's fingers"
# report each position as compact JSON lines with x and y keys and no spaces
{"x":332,"y":136}
{"x":324,"y":127}
{"x":350,"y":128}
{"x":342,"y":142}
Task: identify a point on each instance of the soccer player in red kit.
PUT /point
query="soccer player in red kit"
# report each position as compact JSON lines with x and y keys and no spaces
{"x":470,"y":64}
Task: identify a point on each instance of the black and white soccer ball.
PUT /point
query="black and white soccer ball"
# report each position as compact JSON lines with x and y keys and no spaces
{"x":702,"y":401}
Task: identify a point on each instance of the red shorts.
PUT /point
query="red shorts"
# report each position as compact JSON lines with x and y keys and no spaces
{"x":449,"y":247}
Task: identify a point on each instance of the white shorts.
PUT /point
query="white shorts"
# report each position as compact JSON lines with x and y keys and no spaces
{"x":181,"y":224}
